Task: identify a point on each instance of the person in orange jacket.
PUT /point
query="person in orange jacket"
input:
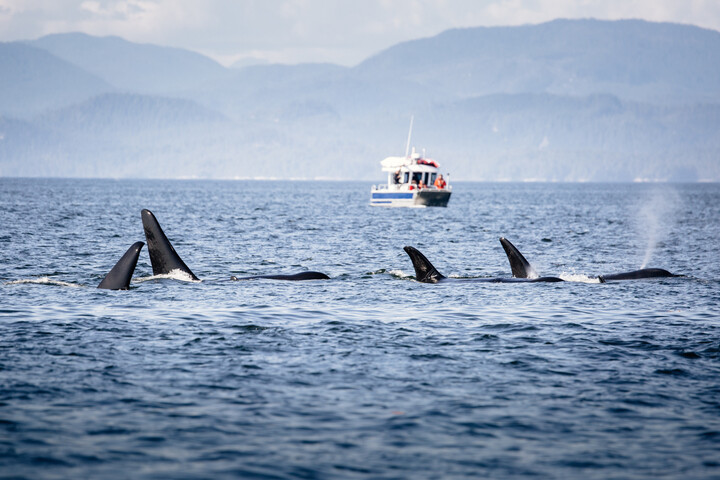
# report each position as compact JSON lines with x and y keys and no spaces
{"x":440,"y":182}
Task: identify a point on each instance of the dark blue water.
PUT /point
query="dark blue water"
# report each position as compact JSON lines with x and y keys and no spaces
{"x":369,"y":374}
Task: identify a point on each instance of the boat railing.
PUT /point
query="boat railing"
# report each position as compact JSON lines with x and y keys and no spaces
{"x":384,"y":186}
{"x":447,"y":188}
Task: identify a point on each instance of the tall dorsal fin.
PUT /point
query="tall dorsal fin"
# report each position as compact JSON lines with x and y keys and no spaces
{"x":424,"y":270}
{"x":163,"y":257}
{"x":120,"y":275}
{"x":520,"y":267}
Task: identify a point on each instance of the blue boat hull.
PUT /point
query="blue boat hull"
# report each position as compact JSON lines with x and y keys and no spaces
{"x":422,"y":198}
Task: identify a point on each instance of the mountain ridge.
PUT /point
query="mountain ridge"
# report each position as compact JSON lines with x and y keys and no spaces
{"x":129,"y":66}
{"x":33,"y":80}
{"x":566,"y":100}
{"x":559,"y":52}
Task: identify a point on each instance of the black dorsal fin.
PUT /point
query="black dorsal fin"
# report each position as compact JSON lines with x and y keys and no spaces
{"x":520,"y":267}
{"x":120,"y":275}
{"x":163,"y":257}
{"x":424,"y":270}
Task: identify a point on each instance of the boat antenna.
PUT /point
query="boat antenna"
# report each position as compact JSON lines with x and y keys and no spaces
{"x":407,"y":147}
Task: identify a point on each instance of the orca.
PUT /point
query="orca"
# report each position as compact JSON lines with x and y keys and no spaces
{"x":637,"y":274}
{"x":120,"y":275}
{"x":521,"y":268}
{"x":163,"y":256}
{"x":297,"y":276}
{"x":425,"y":272}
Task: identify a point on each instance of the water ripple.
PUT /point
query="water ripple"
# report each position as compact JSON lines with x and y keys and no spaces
{"x":369,"y":374}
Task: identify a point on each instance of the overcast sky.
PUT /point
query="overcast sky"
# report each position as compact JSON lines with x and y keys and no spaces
{"x":294,"y":31}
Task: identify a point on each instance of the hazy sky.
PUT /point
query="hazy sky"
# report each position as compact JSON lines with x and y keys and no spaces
{"x":293,"y":31}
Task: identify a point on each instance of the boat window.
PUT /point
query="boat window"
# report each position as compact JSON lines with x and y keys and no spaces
{"x":406,"y":177}
{"x":417,"y":177}
{"x":432,"y":179}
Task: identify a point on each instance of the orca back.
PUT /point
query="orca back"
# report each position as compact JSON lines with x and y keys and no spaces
{"x":637,"y":274}
{"x":546,"y":279}
{"x":293,"y":277}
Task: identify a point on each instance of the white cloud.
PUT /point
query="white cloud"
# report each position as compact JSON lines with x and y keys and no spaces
{"x":128,"y":11}
{"x":314,"y":30}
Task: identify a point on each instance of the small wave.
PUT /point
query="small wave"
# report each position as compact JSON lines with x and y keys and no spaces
{"x":400,"y":274}
{"x":377,"y":272}
{"x":172,"y":275}
{"x":578,"y":277}
{"x":44,"y":281}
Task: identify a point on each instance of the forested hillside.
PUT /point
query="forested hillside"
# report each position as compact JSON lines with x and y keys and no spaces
{"x":568,"y":100}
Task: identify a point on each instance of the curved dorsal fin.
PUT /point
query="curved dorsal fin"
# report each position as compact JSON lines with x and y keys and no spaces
{"x":163,"y":257}
{"x":424,"y":270}
{"x":520,"y":267}
{"x":120,"y":275}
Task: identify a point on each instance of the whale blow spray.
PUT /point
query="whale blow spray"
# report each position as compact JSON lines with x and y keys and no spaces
{"x":655,"y":218}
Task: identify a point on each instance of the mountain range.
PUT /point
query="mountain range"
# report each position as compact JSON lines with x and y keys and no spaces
{"x":567,"y":100}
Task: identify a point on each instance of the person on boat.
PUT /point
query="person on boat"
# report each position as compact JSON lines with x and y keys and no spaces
{"x":421,"y":185}
{"x":440,"y":182}
{"x":396,"y":178}
{"x":414,"y":184}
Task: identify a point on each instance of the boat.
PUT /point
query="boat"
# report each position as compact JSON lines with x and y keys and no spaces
{"x":411,"y":182}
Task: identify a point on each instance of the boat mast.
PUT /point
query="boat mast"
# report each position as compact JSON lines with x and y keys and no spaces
{"x":407,"y":146}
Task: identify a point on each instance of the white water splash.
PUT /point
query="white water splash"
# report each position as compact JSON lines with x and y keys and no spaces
{"x":655,"y":218}
{"x":44,"y":281}
{"x":578,"y":277}
{"x":176,"y":274}
{"x":532,"y":273}
{"x":400,"y":274}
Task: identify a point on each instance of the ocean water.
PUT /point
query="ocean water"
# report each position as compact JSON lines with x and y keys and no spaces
{"x":370,"y":374}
